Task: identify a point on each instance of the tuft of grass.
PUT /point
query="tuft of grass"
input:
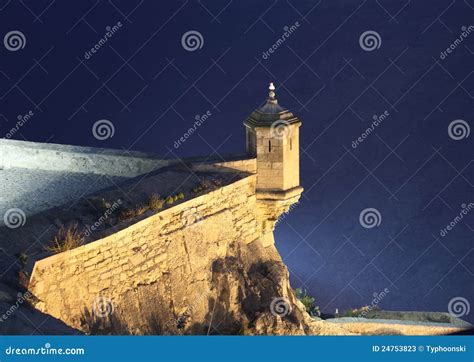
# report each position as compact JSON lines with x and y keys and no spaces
{"x":308,"y":302}
{"x":207,"y":185}
{"x":22,"y":258}
{"x":134,"y":212}
{"x":67,"y":238}
{"x":155,"y":202}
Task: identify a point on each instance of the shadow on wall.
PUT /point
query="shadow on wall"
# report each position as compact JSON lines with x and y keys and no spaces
{"x":241,"y":305}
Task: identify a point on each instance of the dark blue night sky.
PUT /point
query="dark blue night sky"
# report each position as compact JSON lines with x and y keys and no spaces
{"x":416,"y":167}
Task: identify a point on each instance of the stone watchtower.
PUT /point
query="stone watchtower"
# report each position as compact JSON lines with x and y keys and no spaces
{"x":272,"y":136}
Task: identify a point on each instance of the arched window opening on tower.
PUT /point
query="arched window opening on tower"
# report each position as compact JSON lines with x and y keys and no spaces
{"x":291,"y":144}
{"x":269,"y":146}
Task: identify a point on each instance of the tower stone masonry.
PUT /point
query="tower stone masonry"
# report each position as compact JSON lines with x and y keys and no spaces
{"x":272,"y":136}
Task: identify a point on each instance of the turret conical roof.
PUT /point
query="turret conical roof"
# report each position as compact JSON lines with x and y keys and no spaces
{"x":270,"y":113}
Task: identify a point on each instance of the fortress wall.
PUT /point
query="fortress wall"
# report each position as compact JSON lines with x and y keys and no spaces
{"x":160,"y":267}
{"x":53,"y":157}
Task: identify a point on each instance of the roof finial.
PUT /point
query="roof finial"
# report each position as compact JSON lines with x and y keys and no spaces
{"x":271,"y":94}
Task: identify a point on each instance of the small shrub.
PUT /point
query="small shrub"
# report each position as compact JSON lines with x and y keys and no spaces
{"x":141,"y":209}
{"x":308,"y":302}
{"x":180,"y":196}
{"x":169,"y":200}
{"x":127,"y":214}
{"x":156,"y":202}
{"x":134,"y":212}
{"x":217,"y":182}
{"x":22,"y":258}
{"x":203,"y":186}
{"x":66,"y":239}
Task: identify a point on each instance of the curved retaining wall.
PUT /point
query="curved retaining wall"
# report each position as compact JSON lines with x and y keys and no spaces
{"x":161,"y":264}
